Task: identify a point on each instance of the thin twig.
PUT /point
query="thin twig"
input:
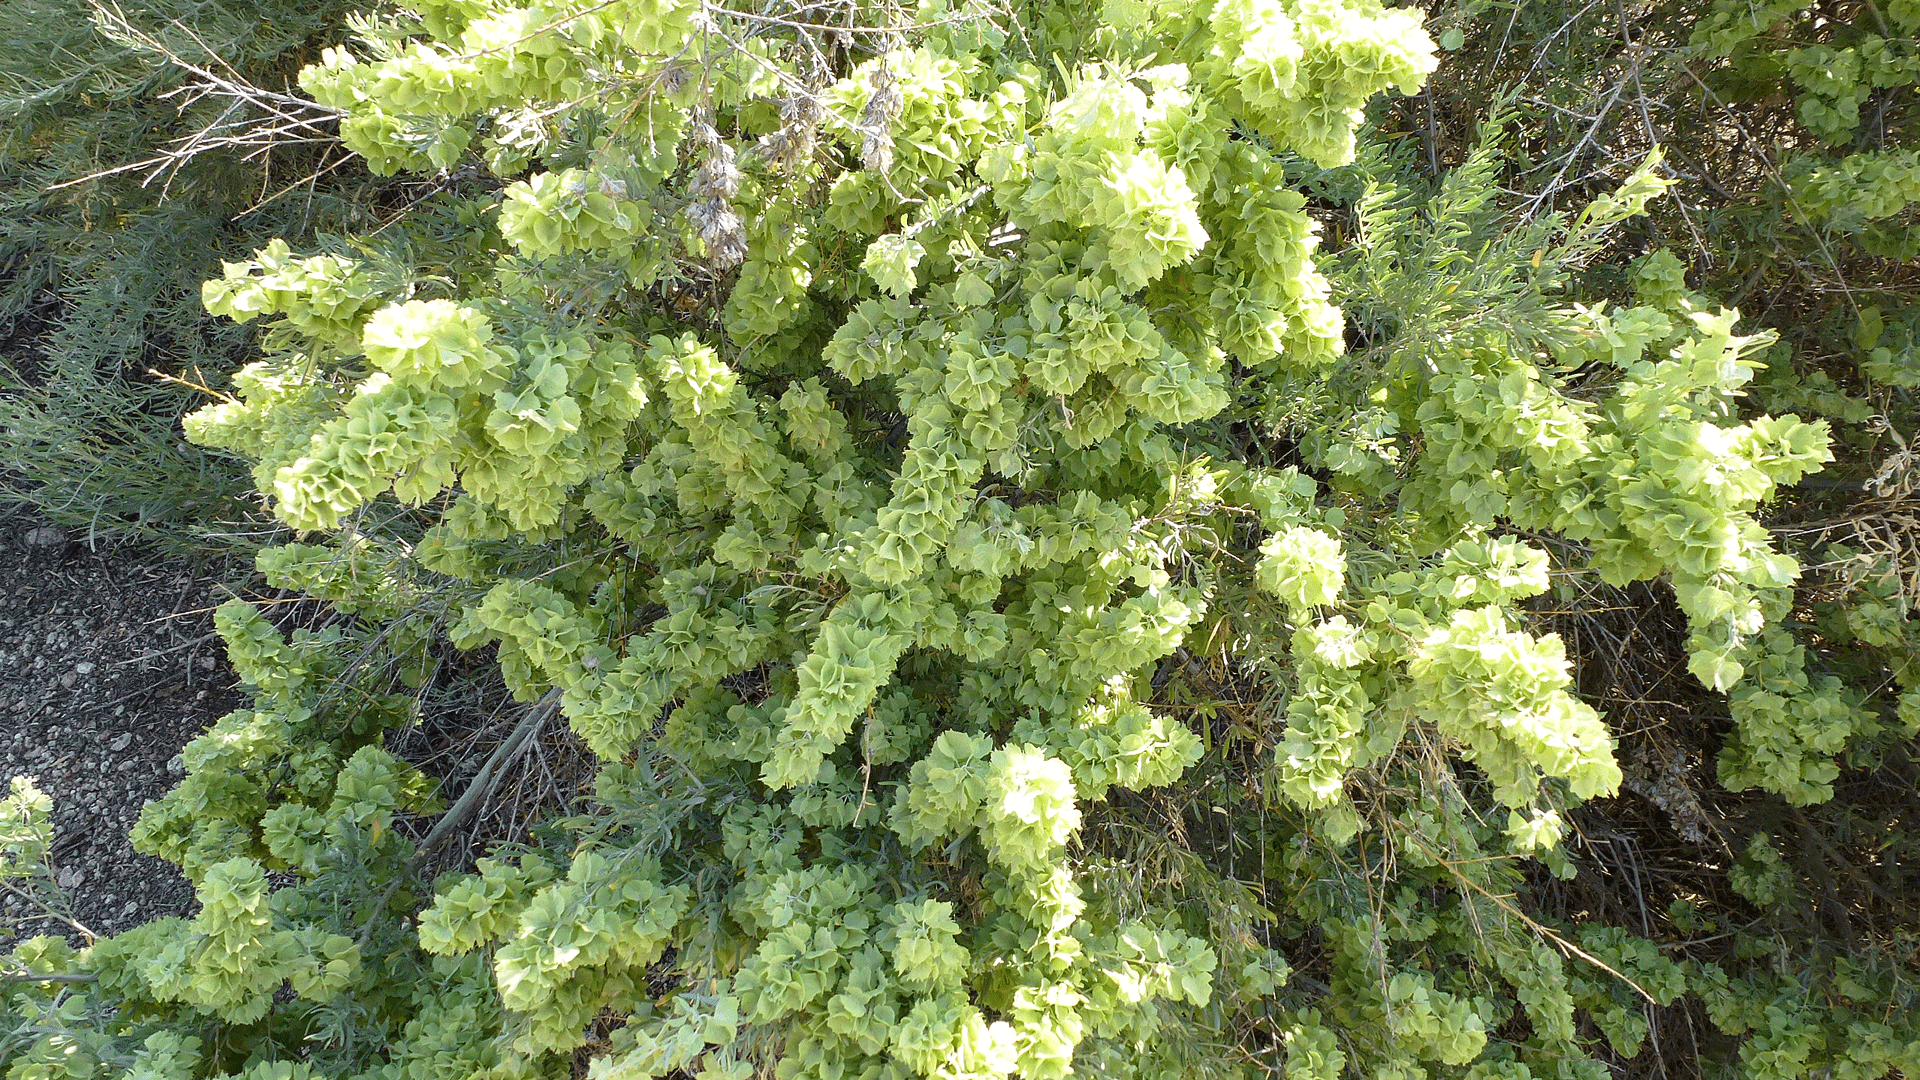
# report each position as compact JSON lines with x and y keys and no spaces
{"x":460,"y":811}
{"x":33,"y":978}
{"x":1536,"y":926}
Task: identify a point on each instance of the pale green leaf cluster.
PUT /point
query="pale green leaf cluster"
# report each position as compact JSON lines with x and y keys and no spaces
{"x":1657,"y":478}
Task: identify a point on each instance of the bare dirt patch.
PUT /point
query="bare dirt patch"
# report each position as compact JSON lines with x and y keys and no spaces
{"x":108,"y":665}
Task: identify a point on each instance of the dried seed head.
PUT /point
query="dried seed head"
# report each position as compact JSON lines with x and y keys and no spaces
{"x":717,"y":175}
{"x":876,"y":149}
{"x":876,"y":121}
{"x":701,"y":132}
{"x":1668,"y":782}
{"x":793,"y":144}
{"x":720,"y":230}
{"x":674,"y":78}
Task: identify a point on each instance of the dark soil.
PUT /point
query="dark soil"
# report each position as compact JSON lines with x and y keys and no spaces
{"x":108,"y":666}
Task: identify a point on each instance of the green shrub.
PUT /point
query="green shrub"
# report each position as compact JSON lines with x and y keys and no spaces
{"x":1033,"y":610}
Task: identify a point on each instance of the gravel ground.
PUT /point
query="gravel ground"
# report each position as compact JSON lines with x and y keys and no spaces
{"x":107,"y":667}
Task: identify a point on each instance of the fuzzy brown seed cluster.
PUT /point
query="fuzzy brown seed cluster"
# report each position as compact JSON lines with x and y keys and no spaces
{"x":793,"y":145}
{"x":876,"y":121}
{"x":710,"y":212}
